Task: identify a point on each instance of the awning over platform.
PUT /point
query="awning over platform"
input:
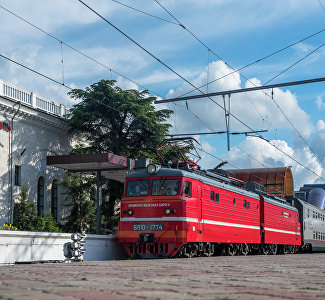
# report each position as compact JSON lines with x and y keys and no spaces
{"x":112,"y":166}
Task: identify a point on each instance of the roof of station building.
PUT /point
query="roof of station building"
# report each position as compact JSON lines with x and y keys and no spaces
{"x":112,"y":166}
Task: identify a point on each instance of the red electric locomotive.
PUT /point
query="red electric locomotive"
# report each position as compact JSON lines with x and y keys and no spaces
{"x":169,"y":212}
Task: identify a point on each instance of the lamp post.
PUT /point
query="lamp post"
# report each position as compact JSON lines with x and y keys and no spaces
{"x":11,"y":199}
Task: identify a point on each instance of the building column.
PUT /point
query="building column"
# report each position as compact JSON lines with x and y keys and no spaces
{"x":99,"y":202}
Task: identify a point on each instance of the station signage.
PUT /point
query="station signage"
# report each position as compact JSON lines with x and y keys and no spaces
{"x":5,"y":126}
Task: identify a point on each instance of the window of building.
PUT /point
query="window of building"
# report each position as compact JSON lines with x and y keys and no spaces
{"x":18,"y":175}
{"x":212,"y":195}
{"x":40,"y":196}
{"x":234,"y":201}
{"x":54,"y":200}
{"x":217,"y":198}
{"x":248,"y":205}
{"x":245,"y":203}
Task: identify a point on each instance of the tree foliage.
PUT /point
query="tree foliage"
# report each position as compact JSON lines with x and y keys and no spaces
{"x":26,"y":219}
{"x":25,"y":213}
{"x":109,"y":119}
{"x":82,"y":216}
{"x":123,"y":122}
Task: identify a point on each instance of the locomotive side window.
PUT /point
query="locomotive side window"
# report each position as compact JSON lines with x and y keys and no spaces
{"x":217,"y":197}
{"x":212,"y":195}
{"x":137,"y":188}
{"x":247,"y":204}
{"x":187,"y":189}
{"x":165,"y":187}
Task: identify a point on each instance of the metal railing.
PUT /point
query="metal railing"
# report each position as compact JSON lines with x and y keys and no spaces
{"x":30,"y":99}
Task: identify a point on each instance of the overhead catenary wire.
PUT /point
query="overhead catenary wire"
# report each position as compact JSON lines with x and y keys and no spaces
{"x":321,"y":4}
{"x":99,"y":102}
{"x":85,"y":55}
{"x":209,"y":49}
{"x":295,"y":63}
{"x":281,"y":110}
{"x":258,"y":60}
{"x":47,"y":76}
{"x":63,"y":84}
{"x":76,"y":50}
{"x":160,"y":61}
{"x":172,"y":70}
{"x":145,"y":13}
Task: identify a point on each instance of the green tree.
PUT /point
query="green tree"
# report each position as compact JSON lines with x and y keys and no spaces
{"x":124,"y":122}
{"x":82,"y":216}
{"x":25,"y":213}
{"x":26,"y":219}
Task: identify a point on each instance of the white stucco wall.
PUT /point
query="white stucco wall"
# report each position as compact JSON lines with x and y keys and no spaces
{"x":22,"y":246}
{"x":36,"y":133}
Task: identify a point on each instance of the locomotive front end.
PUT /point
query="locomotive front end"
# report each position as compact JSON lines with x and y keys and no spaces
{"x":152,"y":213}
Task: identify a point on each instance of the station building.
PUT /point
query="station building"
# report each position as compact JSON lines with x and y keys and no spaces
{"x":30,"y":129}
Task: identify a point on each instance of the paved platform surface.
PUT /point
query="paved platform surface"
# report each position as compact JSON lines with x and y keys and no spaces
{"x":300,"y":276}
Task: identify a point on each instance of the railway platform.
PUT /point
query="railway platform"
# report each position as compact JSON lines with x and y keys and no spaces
{"x":299,"y":276}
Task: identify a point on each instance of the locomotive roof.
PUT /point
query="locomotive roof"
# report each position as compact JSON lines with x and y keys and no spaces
{"x":205,"y":178}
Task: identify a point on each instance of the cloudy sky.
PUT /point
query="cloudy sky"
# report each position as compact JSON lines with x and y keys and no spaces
{"x":237,"y":34}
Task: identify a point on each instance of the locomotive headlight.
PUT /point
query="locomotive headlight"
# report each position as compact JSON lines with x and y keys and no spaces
{"x":169,"y":211}
{"x":128,"y":212}
{"x":152,"y":168}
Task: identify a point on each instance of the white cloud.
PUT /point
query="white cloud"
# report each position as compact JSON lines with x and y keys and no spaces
{"x":320,"y":104}
{"x":263,"y":155}
{"x":255,"y":109}
{"x":125,"y":84}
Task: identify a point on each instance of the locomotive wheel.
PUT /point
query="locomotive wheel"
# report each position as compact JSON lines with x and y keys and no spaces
{"x":265,"y":250}
{"x":287,"y":249}
{"x":191,"y":250}
{"x":232,"y":249}
{"x":244,"y":249}
{"x":293,"y":249}
{"x":208,"y":249}
{"x":274,"y":249}
{"x":268,"y":249}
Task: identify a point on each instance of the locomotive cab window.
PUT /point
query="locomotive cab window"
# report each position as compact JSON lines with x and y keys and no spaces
{"x":136,"y":188}
{"x":165,"y":187}
{"x":187,"y":189}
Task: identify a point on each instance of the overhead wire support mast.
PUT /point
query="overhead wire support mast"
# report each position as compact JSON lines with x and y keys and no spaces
{"x":229,"y":92}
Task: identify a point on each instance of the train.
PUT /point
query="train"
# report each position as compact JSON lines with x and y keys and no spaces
{"x":183,"y":211}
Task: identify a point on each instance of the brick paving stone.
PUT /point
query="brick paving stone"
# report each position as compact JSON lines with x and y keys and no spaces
{"x":300,"y":276}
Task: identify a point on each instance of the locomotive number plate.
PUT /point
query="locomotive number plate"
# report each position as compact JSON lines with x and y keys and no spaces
{"x":148,"y":227}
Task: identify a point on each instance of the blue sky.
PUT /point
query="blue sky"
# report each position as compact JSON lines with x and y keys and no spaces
{"x":240,"y":32}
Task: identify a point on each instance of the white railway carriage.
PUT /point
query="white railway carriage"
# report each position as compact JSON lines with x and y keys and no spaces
{"x":312,"y":220}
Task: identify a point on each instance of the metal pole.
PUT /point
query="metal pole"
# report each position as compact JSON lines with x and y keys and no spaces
{"x":11,"y":154}
{"x":99,"y":202}
{"x":256,"y":88}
